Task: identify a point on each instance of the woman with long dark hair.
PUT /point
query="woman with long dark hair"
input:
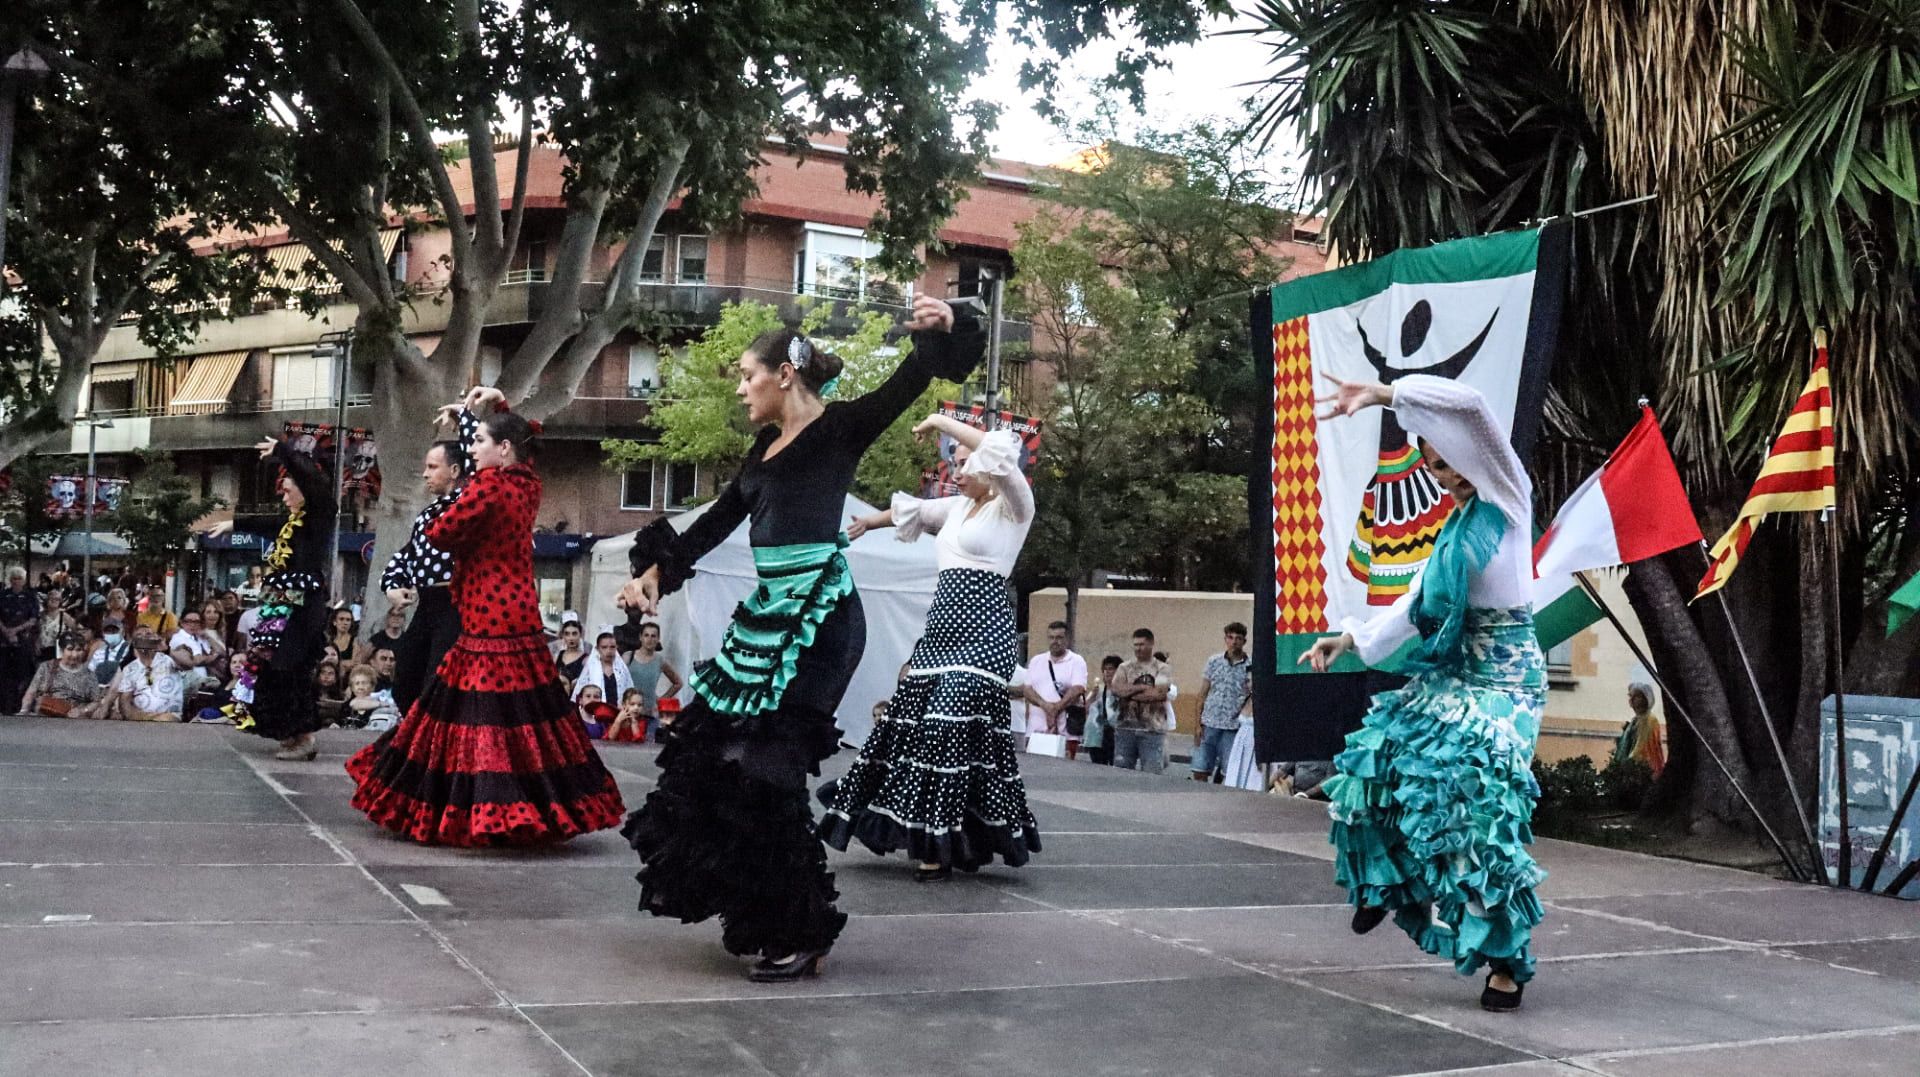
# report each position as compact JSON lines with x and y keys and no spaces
{"x":939,"y":775}
{"x":1433,"y":800}
{"x":273,"y":685}
{"x":728,"y":831}
{"x":490,"y":754}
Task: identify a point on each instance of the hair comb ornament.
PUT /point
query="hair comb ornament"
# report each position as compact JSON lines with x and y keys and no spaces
{"x":799,"y":352}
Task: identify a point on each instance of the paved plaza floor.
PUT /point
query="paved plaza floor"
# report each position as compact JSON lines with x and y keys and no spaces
{"x":173,"y":901}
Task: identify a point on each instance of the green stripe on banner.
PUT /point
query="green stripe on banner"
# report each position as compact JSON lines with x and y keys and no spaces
{"x":1904,"y":604}
{"x":1456,"y":261}
{"x":1564,"y":617}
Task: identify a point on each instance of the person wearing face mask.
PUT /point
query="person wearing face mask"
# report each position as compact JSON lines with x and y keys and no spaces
{"x":1433,"y":797}
{"x":418,"y":575}
{"x":939,"y":775}
{"x":273,"y":683}
{"x":491,"y":752}
{"x":729,"y":832}
{"x":109,"y":653}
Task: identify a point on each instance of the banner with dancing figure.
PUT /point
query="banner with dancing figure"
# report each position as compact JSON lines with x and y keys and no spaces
{"x":1345,"y":514}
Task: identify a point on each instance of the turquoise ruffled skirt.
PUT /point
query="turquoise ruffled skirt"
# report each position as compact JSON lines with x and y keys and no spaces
{"x":1433,"y":800}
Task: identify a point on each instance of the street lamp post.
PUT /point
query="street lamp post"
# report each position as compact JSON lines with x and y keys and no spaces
{"x":94,"y":426}
{"x":338,"y":346}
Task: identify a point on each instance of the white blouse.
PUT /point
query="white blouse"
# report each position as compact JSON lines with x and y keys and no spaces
{"x":988,"y":537}
{"x":1455,"y":419}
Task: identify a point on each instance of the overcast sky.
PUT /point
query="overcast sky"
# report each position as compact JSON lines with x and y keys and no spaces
{"x":1203,"y":81}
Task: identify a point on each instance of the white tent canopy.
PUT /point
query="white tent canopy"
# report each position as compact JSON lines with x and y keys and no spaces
{"x":895,"y":580}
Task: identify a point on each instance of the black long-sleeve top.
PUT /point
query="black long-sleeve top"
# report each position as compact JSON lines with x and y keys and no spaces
{"x":798,"y":495}
{"x":419,"y":563}
{"x":310,"y":540}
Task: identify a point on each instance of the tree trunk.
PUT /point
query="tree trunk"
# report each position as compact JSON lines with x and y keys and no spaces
{"x":404,"y":396}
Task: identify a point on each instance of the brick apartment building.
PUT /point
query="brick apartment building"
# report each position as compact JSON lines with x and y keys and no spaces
{"x":800,"y":237}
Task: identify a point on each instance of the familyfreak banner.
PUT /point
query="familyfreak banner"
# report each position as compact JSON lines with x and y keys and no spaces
{"x":1345,"y":512}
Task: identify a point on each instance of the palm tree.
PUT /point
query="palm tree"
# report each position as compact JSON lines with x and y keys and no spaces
{"x":1777,"y":141}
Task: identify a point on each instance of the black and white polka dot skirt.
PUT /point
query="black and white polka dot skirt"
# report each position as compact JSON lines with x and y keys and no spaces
{"x":939,"y":775}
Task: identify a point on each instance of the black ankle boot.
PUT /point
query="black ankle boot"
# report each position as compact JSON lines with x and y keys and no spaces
{"x":1368,"y":917}
{"x":1498,"y":1001}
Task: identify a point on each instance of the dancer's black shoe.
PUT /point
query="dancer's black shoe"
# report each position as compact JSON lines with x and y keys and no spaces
{"x":803,"y":964}
{"x":924,"y":874}
{"x":1498,"y":1001}
{"x":1368,"y":917}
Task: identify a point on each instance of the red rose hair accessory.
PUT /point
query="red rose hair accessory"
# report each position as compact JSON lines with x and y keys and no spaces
{"x":535,"y":426}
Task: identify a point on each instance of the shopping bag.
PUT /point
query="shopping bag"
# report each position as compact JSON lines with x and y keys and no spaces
{"x":1053,"y":744}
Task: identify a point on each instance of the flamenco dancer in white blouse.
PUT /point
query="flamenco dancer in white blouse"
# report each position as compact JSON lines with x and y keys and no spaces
{"x":1432,"y":804}
{"x":938,"y":775}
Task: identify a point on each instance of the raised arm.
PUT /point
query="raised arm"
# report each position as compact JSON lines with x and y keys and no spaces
{"x":938,"y":352}
{"x":1455,"y":419}
{"x":306,"y":474}
{"x":996,"y":458}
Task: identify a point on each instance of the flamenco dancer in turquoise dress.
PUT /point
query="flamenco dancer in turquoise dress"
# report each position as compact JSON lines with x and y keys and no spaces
{"x":728,"y":831}
{"x":1433,"y":797}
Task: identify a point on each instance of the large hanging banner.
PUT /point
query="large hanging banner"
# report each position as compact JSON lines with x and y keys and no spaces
{"x":1348,"y":509}
{"x":67,"y":501}
{"x":317,"y":440}
{"x":938,"y":481}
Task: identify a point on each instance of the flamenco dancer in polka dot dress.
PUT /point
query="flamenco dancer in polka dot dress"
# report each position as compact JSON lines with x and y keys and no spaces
{"x":491,"y":753}
{"x":938,"y":776}
{"x":729,"y":831}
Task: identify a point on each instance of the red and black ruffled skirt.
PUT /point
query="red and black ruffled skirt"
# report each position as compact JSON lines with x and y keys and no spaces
{"x":490,"y":754}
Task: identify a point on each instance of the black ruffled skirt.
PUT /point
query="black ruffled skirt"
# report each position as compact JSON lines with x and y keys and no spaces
{"x":939,"y":775}
{"x":728,"y":831}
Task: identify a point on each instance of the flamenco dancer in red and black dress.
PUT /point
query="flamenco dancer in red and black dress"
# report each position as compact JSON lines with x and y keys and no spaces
{"x":729,"y":832}
{"x":491,"y":753}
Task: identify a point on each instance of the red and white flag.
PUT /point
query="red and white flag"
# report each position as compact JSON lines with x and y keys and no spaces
{"x":1631,"y":509}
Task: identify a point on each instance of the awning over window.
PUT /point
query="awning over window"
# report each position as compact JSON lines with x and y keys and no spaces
{"x":109,"y":373}
{"x":208,"y":382}
{"x":290,"y":265}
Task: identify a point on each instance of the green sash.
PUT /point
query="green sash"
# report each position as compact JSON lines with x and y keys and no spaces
{"x":799,"y":587}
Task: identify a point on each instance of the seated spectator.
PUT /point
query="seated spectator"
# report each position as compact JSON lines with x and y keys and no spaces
{"x":154,"y":614}
{"x":383,"y":662}
{"x":390,"y":630}
{"x":217,"y":624}
{"x":148,"y":687}
{"x":631,"y":723}
{"x":330,"y":695}
{"x":367,"y":705}
{"x":55,"y":622}
{"x":594,"y":712}
{"x":208,"y":704}
{"x":64,"y":685}
{"x":342,"y":640}
{"x":193,"y":649}
{"x":108,"y":653}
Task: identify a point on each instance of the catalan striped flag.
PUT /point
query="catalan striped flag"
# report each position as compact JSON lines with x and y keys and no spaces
{"x":1797,"y":477}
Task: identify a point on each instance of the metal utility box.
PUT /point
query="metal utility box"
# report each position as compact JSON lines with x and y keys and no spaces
{"x":1883,"y":748}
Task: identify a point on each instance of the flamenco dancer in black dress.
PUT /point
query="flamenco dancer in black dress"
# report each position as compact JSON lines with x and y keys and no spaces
{"x":728,"y":831}
{"x":273,"y":692}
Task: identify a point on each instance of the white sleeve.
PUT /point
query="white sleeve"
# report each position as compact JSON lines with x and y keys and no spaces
{"x":1456,"y":420}
{"x":998,"y":461}
{"x":1378,"y":637}
{"x":913,"y":517}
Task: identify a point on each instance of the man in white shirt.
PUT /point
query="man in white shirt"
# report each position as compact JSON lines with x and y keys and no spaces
{"x":147,"y":689}
{"x":1056,"y":681}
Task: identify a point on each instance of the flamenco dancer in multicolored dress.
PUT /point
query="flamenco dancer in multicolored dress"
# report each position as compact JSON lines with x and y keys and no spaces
{"x":273,"y":693}
{"x":490,"y":754}
{"x":1433,"y":800}
{"x":728,"y":831}
{"x":939,"y":776}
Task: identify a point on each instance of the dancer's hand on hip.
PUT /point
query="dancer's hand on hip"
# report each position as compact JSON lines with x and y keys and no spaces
{"x":642,"y":593}
{"x":1325,"y":651}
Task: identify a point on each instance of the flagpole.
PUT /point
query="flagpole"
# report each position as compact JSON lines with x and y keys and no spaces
{"x":1773,"y":734}
{"x":1839,"y":667}
{"x":1673,"y":701}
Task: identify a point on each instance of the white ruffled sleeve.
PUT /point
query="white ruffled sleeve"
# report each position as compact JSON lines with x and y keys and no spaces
{"x":998,"y":461}
{"x":913,"y":517}
{"x":1377,"y":638}
{"x":1456,"y":420}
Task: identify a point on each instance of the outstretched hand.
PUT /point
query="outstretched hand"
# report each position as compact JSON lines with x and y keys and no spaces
{"x":266,"y":446}
{"x":1350,"y":397}
{"x":930,"y":313}
{"x":856,"y":526}
{"x":1325,"y":651}
{"x":642,"y":594}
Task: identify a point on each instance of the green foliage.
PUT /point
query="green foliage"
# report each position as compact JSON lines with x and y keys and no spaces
{"x":23,"y":507}
{"x":1107,"y":489}
{"x":157,"y":512}
{"x":1626,"y":782}
{"x":1570,"y":787}
{"x":699,"y":420}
